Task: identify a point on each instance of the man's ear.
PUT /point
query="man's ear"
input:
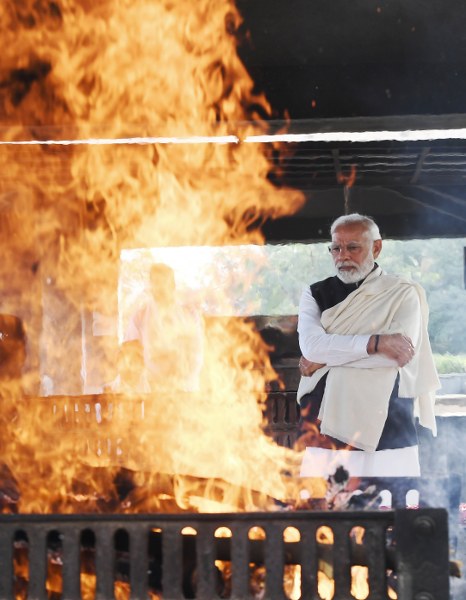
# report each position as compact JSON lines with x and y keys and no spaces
{"x":376,"y":247}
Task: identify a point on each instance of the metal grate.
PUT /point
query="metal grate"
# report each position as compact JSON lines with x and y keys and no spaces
{"x":155,"y":544}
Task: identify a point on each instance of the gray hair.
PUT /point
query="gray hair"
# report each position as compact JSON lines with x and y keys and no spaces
{"x":355,"y":218}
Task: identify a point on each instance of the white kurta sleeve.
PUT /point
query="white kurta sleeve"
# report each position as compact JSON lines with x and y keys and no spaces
{"x":332,"y":349}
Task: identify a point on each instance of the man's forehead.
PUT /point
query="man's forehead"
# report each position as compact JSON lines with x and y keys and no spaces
{"x":355,"y":231}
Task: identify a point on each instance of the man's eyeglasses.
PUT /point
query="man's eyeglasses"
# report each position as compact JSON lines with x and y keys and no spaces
{"x":351,"y":248}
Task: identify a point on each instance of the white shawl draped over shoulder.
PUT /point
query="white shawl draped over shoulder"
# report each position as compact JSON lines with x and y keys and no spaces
{"x":355,"y":403}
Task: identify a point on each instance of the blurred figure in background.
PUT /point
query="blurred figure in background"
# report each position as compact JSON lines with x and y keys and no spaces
{"x":163,"y":342}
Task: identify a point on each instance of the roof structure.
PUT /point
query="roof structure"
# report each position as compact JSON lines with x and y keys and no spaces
{"x":365,"y":66}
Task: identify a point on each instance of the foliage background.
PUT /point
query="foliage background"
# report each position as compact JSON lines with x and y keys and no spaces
{"x":268,"y":280}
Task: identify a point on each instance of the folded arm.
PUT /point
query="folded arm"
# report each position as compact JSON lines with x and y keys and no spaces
{"x":320,"y":348}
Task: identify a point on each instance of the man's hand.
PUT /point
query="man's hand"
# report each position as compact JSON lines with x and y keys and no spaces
{"x":396,"y":346}
{"x":307,"y":367}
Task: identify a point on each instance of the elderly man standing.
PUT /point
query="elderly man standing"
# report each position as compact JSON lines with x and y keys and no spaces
{"x":367,"y":365}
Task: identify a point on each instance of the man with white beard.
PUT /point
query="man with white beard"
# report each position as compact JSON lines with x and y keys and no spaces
{"x":366,"y":366}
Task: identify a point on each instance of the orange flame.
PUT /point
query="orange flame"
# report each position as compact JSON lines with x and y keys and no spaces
{"x":119,"y":69}
{"x":348,"y":180}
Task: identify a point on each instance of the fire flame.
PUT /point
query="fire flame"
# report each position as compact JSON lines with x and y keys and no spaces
{"x":348,"y":180}
{"x":119,"y":69}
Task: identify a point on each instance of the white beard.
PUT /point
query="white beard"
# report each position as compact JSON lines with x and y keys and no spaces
{"x":360,"y":271}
